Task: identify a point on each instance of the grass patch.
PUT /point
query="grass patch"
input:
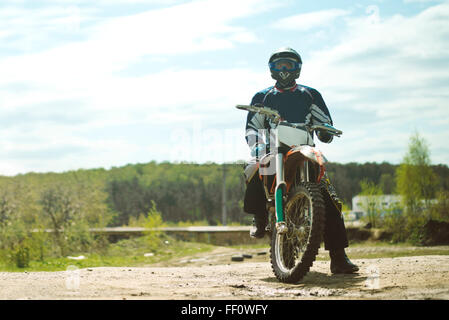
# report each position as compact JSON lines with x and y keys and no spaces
{"x":130,"y":253}
{"x":125,"y":253}
{"x":376,"y":244}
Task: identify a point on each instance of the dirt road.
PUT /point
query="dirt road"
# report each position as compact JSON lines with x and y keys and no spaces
{"x":214,"y":276}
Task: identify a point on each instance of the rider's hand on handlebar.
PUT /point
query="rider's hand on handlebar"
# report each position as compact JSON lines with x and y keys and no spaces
{"x":258,"y":150}
{"x":324,"y":136}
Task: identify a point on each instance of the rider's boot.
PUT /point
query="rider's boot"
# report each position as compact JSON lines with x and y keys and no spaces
{"x":260,"y":221}
{"x":340,"y":262}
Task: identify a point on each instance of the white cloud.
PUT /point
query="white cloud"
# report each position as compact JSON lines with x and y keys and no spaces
{"x":306,"y":21}
{"x":81,"y":79}
{"x":116,"y":42}
{"x":87,"y":69}
{"x":390,"y":72}
{"x":37,"y":29}
{"x":422,"y":1}
{"x":120,"y":104}
{"x":115,"y":2}
{"x":394,"y":71}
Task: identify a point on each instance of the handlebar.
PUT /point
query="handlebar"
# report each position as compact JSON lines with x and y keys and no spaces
{"x":258,"y":108}
{"x":274,"y":114}
{"x":328,"y":128}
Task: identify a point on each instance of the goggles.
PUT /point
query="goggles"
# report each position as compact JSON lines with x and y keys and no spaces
{"x":284,"y":64}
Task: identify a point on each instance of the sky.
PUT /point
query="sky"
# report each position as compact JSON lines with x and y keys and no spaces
{"x":97,"y":84}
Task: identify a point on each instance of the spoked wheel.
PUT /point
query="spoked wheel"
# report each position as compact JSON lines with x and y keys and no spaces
{"x":293,"y":252}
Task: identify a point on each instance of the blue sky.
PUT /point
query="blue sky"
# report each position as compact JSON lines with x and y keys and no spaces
{"x":88,"y":84}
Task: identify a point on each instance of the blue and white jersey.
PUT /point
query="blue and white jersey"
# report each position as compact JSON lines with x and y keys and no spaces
{"x":300,"y":104}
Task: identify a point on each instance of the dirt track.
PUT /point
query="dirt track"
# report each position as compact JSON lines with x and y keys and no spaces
{"x":214,"y":276}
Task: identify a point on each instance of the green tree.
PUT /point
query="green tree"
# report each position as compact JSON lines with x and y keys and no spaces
{"x":7,"y":211}
{"x":417,"y":183}
{"x":440,"y":209}
{"x":15,"y":243}
{"x":415,"y":180}
{"x":66,"y":208}
{"x":153,"y":222}
{"x":387,"y":183}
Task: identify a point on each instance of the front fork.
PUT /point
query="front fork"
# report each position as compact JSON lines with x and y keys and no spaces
{"x":279,"y":193}
{"x":281,"y":189}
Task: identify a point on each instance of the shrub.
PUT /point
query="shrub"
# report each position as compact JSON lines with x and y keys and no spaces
{"x":153,"y":222}
{"x":22,"y":256}
{"x":440,"y":209}
{"x":395,"y":222}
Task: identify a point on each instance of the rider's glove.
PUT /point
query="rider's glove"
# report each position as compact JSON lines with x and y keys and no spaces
{"x":324,"y":136}
{"x":258,"y":150}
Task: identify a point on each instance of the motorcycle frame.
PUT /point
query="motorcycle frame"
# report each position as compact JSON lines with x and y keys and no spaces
{"x":301,"y":157}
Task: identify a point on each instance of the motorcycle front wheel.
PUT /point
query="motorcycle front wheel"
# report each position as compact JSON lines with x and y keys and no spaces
{"x":292,"y":253}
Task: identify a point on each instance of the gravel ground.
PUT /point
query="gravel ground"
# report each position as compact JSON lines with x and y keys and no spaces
{"x":214,"y":276}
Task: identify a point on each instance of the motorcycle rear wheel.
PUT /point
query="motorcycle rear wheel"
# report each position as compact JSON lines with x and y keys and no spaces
{"x":293,"y":253}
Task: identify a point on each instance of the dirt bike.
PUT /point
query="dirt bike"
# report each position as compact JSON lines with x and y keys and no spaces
{"x":292,"y":176}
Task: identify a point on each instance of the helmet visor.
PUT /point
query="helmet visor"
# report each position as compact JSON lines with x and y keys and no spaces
{"x":284,"y":64}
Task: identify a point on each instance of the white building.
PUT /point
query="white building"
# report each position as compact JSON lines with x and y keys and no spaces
{"x":383,"y":203}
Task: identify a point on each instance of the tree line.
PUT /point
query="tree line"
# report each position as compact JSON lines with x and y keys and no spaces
{"x":72,"y":202}
{"x":181,"y":191}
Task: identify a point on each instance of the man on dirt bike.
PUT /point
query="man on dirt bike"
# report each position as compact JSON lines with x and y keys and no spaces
{"x":297,"y":104}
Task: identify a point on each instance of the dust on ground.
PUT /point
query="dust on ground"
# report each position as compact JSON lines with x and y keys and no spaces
{"x":214,"y":275}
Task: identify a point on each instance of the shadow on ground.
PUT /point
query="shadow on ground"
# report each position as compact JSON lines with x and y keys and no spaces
{"x":317,"y":279}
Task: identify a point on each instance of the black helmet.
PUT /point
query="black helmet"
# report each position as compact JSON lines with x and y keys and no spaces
{"x":285,"y":65}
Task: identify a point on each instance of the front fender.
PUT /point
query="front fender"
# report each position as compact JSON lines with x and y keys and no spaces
{"x":310,"y":153}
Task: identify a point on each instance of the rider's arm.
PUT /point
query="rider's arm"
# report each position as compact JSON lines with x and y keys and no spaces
{"x":319,"y":111}
{"x":319,"y":114}
{"x":255,"y":123}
